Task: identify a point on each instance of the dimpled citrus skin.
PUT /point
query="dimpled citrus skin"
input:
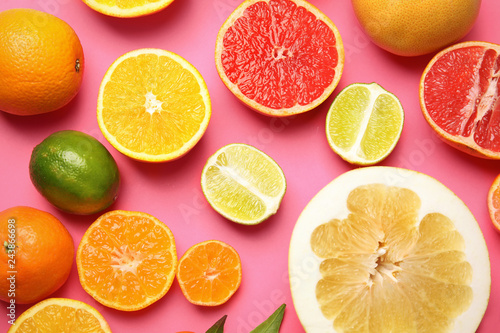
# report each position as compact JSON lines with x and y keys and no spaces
{"x":43,"y":256}
{"x":41,"y":62}
{"x":412,"y":28}
{"x":75,"y":172}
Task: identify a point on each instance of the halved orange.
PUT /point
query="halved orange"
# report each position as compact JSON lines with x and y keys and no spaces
{"x":127,"y":8}
{"x":60,"y":315}
{"x":127,"y":260}
{"x":494,"y":202}
{"x":209,"y":273}
{"x":459,"y":96}
{"x":153,"y":105}
{"x":279,"y":57}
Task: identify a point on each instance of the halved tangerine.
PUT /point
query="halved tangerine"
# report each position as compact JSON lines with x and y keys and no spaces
{"x":459,"y":96}
{"x":279,"y":57}
{"x":127,"y":260}
{"x":209,"y":273}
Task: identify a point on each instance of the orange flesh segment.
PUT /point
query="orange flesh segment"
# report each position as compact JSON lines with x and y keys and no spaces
{"x":382,"y":259}
{"x":462,"y":95}
{"x":153,"y":105}
{"x":209,"y":273}
{"x":126,"y":4}
{"x":128,"y":260}
{"x":279,"y":54}
{"x":61,"y":318}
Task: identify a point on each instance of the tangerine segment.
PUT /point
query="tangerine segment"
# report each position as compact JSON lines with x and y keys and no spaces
{"x":153,"y":105}
{"x":279,"y":57}
{"x":209,"y":273}
{"x":60,"y":315}
{"x":127,"y":8}
{"x":459,"y":97}
{"x":127,"y":260}
{"x":399,"y":257}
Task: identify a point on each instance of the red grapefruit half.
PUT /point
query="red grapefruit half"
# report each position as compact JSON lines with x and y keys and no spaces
{"x":279,"y":57}
{"x":459,"y":96}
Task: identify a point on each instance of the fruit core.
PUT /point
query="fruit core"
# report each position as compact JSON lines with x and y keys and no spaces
{"x":386,"y":268}
{"x":124,"y":260}
{"x":211,"y":273}
{"x":152,"y":105}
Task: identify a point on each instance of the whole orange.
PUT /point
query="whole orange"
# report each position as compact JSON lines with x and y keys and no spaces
{"x":41,"y":62}
{"x":411,"y":27}
{"x":36,"y":255}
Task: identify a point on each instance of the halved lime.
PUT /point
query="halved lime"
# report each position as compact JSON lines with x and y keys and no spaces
{"x":243,"y":184}
{"x":364,"y":123}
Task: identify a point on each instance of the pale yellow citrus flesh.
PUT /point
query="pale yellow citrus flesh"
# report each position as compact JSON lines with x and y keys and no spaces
{"x":60,"y":315}
{"x":383,"y":270}
{"x":364,"y":123}
{"x":243,"y":184}
{"x":153,"y":105}
{"x":127,"y":260}
{"x":209,"y":273}
{"x":127,"y":8}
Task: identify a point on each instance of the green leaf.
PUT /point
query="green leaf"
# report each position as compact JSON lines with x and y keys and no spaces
{"x":218,"y":327}
{"x":273,"y":323}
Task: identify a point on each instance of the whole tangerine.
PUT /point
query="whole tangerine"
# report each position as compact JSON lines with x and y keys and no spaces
{"x":41,"y":62}
{"x":36,"y":255}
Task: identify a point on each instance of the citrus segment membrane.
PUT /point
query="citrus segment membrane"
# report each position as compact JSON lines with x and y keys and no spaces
{"x":364,"y":123}
{"x":127,"y":260}
{"x":60,"y":315}
{"x":383,"y":249}
{"x":209,"y":273}
{"x":279,"y":56}
{"x":153,"y":105}
{"x":459,"y":96}
{"x":243,"y":184}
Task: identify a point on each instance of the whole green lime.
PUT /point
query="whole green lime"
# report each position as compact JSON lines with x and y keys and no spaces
{"x":75,"y":172}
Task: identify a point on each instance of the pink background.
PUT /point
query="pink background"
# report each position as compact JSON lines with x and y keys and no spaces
{"x":171,"y":191}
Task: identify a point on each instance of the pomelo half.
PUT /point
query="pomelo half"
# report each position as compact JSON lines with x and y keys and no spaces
{"x":384,"y":249}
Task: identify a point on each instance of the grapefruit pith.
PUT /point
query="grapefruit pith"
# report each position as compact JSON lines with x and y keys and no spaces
{"x":459,"y":97}
{"x":279,"y":57}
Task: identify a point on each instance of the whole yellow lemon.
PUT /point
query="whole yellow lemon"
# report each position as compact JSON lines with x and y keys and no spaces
{"x":416,"y":27}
